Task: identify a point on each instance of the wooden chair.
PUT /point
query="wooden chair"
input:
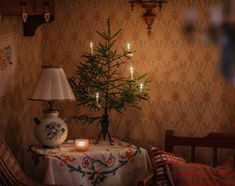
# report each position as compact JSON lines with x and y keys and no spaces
{"x":213,"y":140}
{"x":11,"y":173}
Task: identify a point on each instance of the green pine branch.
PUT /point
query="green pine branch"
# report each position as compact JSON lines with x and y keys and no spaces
{"x":102,"y":73}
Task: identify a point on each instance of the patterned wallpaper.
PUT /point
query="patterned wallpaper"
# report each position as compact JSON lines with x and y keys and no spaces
{"x":16,"y":111}
{"x":187,"y":92}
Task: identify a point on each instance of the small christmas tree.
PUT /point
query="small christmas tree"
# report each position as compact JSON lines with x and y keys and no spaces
{"x":100,"y":84}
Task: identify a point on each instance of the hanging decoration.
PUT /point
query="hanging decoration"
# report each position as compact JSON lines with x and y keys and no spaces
{"x":24,"y":12}
{"x":47,"y":14}
{"x":149,"y":6}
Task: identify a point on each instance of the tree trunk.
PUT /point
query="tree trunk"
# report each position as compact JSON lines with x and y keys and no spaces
{"x":105,"y":123}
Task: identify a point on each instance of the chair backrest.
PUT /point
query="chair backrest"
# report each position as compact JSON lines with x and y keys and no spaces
{"x":10,"y":171}
{"x":214,"y":140}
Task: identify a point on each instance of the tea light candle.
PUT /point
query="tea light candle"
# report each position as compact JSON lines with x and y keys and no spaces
{"x":81,"y":144}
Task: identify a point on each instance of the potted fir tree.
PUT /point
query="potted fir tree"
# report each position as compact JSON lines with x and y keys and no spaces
{"x":100,"y":84}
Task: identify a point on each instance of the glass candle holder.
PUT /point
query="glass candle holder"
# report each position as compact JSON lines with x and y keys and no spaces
{"x":81,"y":145}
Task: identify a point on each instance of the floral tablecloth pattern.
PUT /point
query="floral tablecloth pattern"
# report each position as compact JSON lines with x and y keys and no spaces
{"x":117,"y":165}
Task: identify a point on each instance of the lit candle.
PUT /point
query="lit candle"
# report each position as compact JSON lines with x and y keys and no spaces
{"x":91,"y":46}
{"x":128,"y":47}
{"x":141,"y":87}
{"x":97,"y":97}
{"x":132,"y":72}
{"x":81,"y":144}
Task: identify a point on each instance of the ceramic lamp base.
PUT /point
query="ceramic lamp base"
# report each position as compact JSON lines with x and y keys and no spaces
{"x":51,"y":131}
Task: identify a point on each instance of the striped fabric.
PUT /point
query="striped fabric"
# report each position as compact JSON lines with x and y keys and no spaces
{"x":160,"y":161}
{"x":193,"y":174}
{"x":10,"y":172}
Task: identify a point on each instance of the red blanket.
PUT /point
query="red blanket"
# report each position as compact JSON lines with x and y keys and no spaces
{"x":192,"y":174}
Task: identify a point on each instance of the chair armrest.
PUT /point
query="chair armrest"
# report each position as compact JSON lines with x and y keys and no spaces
{"x":147,"y":180}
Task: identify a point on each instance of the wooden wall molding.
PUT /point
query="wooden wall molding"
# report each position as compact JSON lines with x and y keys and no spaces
{"x":35,"y":10}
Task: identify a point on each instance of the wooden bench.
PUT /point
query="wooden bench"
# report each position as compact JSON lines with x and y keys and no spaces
{"x":214,"y":140}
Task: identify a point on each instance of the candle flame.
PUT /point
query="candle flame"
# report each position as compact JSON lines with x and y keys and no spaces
{"x":131,"y":69}
{"x":128,"y":46}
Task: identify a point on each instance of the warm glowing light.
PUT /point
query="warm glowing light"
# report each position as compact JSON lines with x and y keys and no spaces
{"x":97,"y":97}
{"x":132,"y":72}
{"x":141,"y":87}
{"x":81,"y":144}
{"x":128,"y":47}
{"x":91,"y":46}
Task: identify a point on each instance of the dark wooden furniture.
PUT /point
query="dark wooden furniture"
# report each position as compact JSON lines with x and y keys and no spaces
{"x":34,"y":8}
{"x":214,"y":140}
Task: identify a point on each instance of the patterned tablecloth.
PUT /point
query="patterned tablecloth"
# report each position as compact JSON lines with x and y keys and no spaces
{"x":103,"y":164}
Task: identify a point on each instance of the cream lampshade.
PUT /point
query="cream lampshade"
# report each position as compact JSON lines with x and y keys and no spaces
{"x":52,"y":85}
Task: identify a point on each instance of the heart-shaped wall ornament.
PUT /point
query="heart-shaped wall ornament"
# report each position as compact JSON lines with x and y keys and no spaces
{"x":24,"y":17}
{"x":47,"y":16}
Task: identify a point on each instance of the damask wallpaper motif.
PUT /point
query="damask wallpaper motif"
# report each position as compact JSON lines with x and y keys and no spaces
{"x":16,"y":111}
{"x":187,"y":92}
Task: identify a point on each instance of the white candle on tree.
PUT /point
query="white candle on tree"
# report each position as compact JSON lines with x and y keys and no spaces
{"x":92,"y":50}
{"x":128,"y":47}
{"x":132,"y":72}
{"x":141,"y":87}
{"x":97,"y":97}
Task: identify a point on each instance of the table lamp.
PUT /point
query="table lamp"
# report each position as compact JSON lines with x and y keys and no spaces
{"x":52,"y":85}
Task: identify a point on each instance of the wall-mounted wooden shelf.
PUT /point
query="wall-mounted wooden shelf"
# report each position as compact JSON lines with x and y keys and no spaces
{"x":34,"y":8}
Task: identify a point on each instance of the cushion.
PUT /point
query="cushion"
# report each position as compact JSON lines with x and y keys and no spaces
{"x":194,"y":174}
{"x":160,"y":161}
{"x":10,"y":171}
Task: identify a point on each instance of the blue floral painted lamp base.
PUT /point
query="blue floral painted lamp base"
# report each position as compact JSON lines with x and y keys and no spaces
{"x":51,"y":131}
